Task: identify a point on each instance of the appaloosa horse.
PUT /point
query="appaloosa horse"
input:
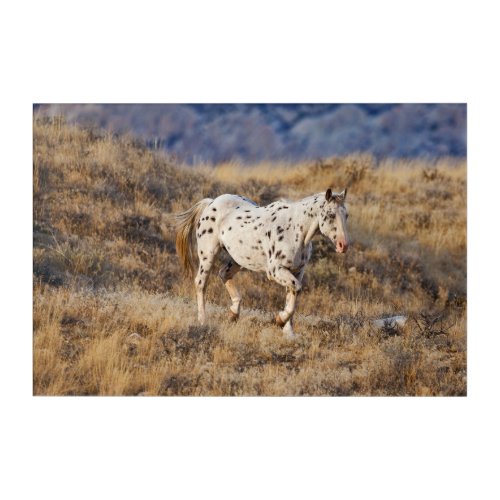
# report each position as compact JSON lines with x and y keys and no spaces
{"x":275,"y":239}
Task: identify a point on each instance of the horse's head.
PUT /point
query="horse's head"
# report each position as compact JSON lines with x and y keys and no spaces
{"x":333,"y":220}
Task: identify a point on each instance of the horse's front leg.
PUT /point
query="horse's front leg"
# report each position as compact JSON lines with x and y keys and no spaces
{"x":293,"y":285}
{"x":285,"y":318}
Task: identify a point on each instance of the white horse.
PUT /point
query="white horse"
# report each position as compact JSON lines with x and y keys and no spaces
{"x":275,"y":239}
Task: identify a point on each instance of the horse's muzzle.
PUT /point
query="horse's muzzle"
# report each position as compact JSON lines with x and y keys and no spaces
{"x":342,"y":246}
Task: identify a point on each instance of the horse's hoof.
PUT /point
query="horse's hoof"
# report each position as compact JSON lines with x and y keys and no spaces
{"x":233,"y":317}
{"x":279,"y":321}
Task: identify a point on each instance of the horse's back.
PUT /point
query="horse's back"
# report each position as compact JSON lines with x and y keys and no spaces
{"x":231,"y":201}
{"x":225,"y":205}
{"x":220,"y":212}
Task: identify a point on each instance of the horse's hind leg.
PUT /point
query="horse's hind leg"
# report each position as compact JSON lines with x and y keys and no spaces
{"x":207,"y":251}
{"x":226,"y":274}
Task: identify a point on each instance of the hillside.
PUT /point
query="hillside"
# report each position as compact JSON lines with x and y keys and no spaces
{"x":113,"y":315}
{"x":250,"y":133}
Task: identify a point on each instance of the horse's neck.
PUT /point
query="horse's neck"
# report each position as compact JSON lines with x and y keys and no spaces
{"x":312,"y":231}
{"x":310,"y":224}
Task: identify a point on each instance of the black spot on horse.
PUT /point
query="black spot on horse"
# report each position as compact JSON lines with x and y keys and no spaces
{"x":210,"y":230}
{"x":214,"y":209}
{"x":273,"y":219}
{"x":239,"y":217}
{"x":229,"y":228}
{"x":280,"y":238}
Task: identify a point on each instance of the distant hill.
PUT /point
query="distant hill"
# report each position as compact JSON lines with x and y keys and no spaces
{"x":251,"y":133}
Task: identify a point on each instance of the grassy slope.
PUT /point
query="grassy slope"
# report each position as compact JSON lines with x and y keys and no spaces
{"x":105,"y":268}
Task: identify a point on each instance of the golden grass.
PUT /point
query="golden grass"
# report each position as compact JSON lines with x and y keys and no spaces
{"x":113,"y":315}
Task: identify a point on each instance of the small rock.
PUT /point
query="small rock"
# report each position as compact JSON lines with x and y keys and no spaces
{"x":134,"y":337}
{"x":390,"y":322}
{"x":352,"y":269}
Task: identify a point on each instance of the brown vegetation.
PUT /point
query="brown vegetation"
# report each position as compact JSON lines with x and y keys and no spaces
{"x":113,"y":315}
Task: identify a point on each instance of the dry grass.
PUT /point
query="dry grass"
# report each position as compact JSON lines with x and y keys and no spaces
{"x":113,"y":316}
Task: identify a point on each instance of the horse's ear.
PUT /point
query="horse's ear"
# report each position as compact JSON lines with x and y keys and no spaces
{"x":328,"y":195}
{"x":340,"y":198}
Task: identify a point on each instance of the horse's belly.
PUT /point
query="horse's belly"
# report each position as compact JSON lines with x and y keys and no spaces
{"x":245,"y":251}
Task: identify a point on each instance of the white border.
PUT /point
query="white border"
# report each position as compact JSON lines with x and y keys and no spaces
{"x":223,"y":51}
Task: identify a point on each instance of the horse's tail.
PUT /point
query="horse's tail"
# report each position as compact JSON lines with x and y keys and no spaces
{"x":185,"y":227}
